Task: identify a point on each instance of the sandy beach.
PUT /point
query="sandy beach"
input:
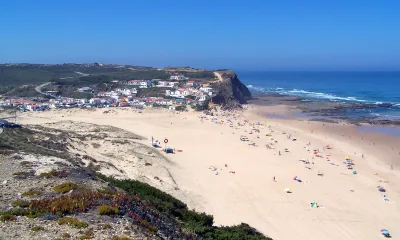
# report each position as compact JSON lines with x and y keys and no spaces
{"x":214,"y":171}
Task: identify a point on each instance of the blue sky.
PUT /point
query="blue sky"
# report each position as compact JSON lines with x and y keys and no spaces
{"x":245,"y":35}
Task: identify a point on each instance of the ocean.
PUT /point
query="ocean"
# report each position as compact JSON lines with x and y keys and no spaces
{"x":351,"y":87}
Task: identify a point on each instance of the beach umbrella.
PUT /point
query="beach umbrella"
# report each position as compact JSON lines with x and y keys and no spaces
{"x":287,"y":190}
{"x":347,"y":158}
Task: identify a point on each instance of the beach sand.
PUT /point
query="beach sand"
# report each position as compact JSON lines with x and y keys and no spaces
{"x":218,"y":173}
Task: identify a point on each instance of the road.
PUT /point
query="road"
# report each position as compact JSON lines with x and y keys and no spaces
{"x":39,"y":88}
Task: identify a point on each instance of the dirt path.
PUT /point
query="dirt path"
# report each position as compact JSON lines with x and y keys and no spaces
{"x":218,"y":76}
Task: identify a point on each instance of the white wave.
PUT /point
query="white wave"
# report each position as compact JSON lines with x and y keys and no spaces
{"x":310,"y":94}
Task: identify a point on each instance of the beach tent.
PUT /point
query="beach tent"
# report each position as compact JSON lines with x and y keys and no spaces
{"x":314,"y":205}
{"x":385,"y":233}
{"x":169,"y":150}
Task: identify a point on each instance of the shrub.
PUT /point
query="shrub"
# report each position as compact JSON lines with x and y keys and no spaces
{"x":65,"y":187}
{"x":107,"y":210}
{"x":7,"y":218}
{"x":31,"y":192}
{"x":37,"y":229}
{"x":20,"y":203}
{"x":16,"y":212}
{"x":19,"y":173}
{"x":107,"y":226}
{"x":66,"y":235}
{"x":48,"y":174}
{"x":120,"y":238}
{"x":25,"y":163}
{"x":89,"y":234}
{"x":107,"y":190}
{"x":72,"y":221}
{"x":54,"y":173}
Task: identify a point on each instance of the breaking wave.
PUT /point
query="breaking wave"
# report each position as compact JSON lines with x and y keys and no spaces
{"x":309,"y":95}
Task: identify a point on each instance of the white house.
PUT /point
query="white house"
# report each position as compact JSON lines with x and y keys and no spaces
{"x":95,"y":101}
{"x":202,"y":98}
{"x":173,"y":84}
{"x":162,"y":84}
{"x":191,"y":83}
{"x":126,"y":91}
{"x":85,"y":89}
{"x":140,"y":83}
{"x":206,"y":89}
{"x":178,"y":77}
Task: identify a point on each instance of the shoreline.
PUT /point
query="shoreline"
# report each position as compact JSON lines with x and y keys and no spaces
{"x":323,"y":110}
{"x":230,"y":179}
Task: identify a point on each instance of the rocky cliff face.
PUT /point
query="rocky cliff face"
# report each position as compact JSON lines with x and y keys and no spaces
{"x":230,"y":91}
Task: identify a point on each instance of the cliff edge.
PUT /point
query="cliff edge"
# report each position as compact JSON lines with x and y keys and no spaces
{"x":230,"y":91}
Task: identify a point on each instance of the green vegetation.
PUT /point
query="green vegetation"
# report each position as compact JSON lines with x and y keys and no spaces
{"x":120,"y":238}
{"x":25,"y":163}
{"x":153,"y":92}
{"x":66,"y":236}
{"x":107,"y":210}
{"x":37,"y":228}
{"x":54,"y":173}
{"x":19,"y":173}
{"x":24,"y":91}
{"x":66,"y":187}
{"x":88,"y":234}
{"x":198,"y":223}
{"x":107,"y":226}
{"x":72,"y":221}
{"x":44,"y":143}
{"x":7,"y":218}
{"x":20,"y":203}
{"x":202,"y":74}
{"x":31,"y":192}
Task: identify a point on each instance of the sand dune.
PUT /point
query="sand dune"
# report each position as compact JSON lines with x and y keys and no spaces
{"x":233,"y":180}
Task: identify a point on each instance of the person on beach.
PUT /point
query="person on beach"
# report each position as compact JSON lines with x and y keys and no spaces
{"x":273,"y":179}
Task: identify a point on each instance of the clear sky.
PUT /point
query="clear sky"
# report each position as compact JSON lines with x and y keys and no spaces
{"x":248,"y":34}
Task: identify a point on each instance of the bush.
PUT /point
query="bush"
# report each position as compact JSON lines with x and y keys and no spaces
{"x":66,"y":235}
{"x":192,"y":222}
{"x":107,"y":210}
{"x":73,"y":222}
{"x":25,"y":163}
{"x":107,"y":226}
{"x":89,"y":234}
{"x":54,"y":173}
{"x":31,"y":192}
{"x":20,"y":203}
{"x":37,"y":229}
{"x":65,"y":187}
{"x":19,"y":173}
{"x":7,"y":218}
{"x":120,"y":238}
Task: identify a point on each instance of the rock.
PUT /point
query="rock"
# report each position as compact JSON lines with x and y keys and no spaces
{"x":230,"y":92}
{"x":385,"y":105}
{"x":4,"y":182}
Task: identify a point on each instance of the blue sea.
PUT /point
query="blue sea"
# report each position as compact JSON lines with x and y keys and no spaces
{"x":353,"y":87}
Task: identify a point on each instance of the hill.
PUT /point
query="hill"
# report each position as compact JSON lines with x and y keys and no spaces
{"x":63,"y":195}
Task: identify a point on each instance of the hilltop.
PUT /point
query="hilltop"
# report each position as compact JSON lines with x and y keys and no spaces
{"x":43,"y":86}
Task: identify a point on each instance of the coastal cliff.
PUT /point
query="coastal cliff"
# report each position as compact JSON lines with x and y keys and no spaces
{"x":230,"y":91}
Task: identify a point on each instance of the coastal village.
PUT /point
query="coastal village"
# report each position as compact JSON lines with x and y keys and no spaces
{"x":176,"y":93}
